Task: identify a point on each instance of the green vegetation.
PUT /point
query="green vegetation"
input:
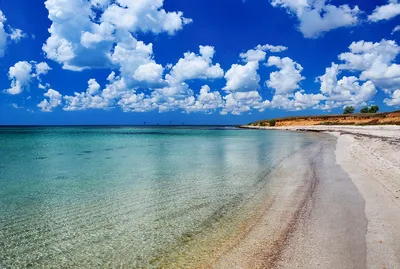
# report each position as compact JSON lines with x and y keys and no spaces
{"x":364,"y":109}
{"x":348,"y":110}
{"x":371,"y":109}
{"x":272,"y":123}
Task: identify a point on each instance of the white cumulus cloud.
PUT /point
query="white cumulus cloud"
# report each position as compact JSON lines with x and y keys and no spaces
{"x":41,"y":68}
{"x":54,"y":100}
{"x":206,"y":101}
{"x":193,"y":66}
{"x":375,"y":61}
{"x":242,"y":77}
{"x":94,"y":34}
{"x":130,"y":55}
{"x":394,"y":99}
{"x":259,"y":52}
{"x":8,"y":33}
{"x":150,"y":73}
{"x":385,"y":12}
{"x":346,"y":91}
{"x":22,"y":74}
{"x":237,"y":103}
{"x":396,"y":29}
{"x":317,"y":17}
{"x":287,"y":79}
{"x":86,"y":100}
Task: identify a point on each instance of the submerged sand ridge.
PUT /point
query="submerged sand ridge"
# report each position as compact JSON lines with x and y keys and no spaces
{"x":339,"y":207}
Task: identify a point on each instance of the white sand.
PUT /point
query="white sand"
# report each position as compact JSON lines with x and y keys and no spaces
{"x":382,"y":131}
{"x":337,"y":210}
{"x":374,"y":166}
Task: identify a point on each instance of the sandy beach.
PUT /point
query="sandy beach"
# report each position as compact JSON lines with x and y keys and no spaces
{"x":339,"y":207}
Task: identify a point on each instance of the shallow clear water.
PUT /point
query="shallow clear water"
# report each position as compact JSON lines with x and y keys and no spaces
{"x":125,"y":197}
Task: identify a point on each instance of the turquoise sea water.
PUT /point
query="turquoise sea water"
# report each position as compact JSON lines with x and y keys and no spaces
{"x":85,"y":197}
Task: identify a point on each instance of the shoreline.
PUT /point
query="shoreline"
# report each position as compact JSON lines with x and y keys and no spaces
{"x":373,"y":164}
{"x":328,"y":201}
{"x":341,"y":212}
{"x":379,"y":131}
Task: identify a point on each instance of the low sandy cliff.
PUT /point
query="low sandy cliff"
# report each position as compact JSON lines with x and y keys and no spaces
{"x":392,"y":118}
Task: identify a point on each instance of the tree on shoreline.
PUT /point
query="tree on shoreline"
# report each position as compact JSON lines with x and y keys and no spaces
{"x":364,"y":109}
{"x":348,"y":110}
{"x":371,"y":109}
{"x":272,"y":123}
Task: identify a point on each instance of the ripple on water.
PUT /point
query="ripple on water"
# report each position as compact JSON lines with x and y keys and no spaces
{"x":171,"y":198}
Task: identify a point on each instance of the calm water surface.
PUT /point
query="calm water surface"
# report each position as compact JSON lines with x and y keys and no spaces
{"x":126,"y":197}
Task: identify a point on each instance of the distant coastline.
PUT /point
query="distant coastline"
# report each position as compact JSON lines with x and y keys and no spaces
{"x":122,"y":125}
{"x":385,"y":118}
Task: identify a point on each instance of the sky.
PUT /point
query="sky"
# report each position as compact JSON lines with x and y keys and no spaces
{"x":117,"y":62}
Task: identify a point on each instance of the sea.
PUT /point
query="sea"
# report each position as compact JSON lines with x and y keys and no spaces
{"x":132,"y":196}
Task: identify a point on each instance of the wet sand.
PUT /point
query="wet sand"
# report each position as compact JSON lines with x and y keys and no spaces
{"x":338,"y":207}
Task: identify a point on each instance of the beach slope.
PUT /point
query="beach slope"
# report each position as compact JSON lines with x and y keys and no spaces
{"x":339,"y":208}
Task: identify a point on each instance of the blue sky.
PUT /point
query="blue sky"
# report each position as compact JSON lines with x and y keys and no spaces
{"x":129,"y":62}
